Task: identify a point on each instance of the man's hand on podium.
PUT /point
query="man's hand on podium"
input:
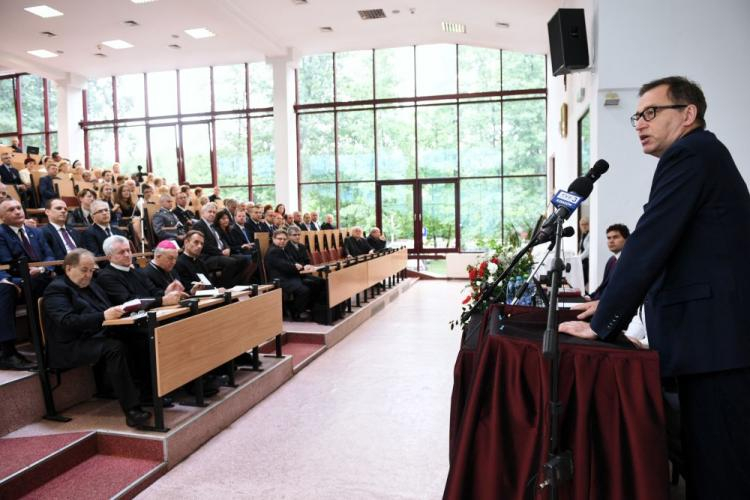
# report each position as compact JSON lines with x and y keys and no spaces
{"x":587,"y":309}
{"x":579,"y":329}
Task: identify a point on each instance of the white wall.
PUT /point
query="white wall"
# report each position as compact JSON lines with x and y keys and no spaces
{"x":638,"y":41}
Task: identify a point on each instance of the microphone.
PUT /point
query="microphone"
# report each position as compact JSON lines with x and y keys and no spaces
{"x":544,"y":238}
{"x":568,"y":201}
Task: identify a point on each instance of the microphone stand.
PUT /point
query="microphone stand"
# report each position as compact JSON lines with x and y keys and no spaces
{"x":559,"y":467}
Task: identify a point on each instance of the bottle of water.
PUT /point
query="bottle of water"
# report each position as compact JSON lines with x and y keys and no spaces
{"x":511,"y":292}
{"x":531,"y":291}
{"x":517,"y":287}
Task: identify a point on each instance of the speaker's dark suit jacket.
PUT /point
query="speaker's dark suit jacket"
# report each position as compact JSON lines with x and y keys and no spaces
{"x":608,"y":270}
{"x":55,"y":242}
{"x":93,"y":239}
{"x":688,"y":257}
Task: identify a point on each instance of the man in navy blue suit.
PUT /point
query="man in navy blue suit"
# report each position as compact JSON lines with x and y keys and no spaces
{"x":47,"y":186}
{"x":18,"y":241}
{"x":60,"y":237}
{"x":10,"y":176}
{"x":687,"y":259}
{"x":617,"y":234}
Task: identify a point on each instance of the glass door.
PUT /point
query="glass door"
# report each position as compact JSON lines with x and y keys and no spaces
{"x":420,"y":215}
{"x":196,"y":154}
{"x":396,"y":214}
{"x":164,"y":152}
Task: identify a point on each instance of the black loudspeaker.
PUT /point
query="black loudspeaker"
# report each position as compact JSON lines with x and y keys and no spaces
{"x":568,"y":47}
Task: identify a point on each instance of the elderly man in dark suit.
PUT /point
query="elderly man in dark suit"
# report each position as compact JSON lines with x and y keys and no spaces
{"x":166,"y":224}
{"x":74,"y":310}
{"x":375,"y":239}
{"x":93,"y":237}
{"x":60,"y":237}
{"x":356,"y":244}
{"x":18,"y":242}
{"x":161,"y":272}
{"x":687,"y":257}
{"x":10,"y":176}
{"x":122,"y":283}
{"x":216,"y":254}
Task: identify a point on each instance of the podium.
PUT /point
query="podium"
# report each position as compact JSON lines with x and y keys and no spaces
{"x":612,"y":417}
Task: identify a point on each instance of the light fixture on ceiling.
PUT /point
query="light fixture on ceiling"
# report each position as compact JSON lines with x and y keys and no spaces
{"x":48,"y":34}
{"x":131,"y":23}
{"x":43,"y":53}
{"x":174,"y":46}
{"x":326,"y":29}
{"x":100,"y":54}
{"x":117,"y":44}
{"x":142,"y":1}
{"x":199,"y":33}
{"x":43,"y":11}
{"x":300,"y":2}
{"x":500,"y":24}
{"x":453,"y":27}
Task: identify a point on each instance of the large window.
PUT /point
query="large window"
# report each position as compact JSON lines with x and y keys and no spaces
{"x":205,"y":126}
{"x":28,"y":110}
{"x":460,"y":130}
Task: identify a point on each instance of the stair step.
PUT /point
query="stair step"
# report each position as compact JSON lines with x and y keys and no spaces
{"x":100,"y":476}
{"x":24,"y":452}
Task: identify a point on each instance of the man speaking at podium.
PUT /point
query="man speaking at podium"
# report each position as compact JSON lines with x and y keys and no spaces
{"x":687,"y":260}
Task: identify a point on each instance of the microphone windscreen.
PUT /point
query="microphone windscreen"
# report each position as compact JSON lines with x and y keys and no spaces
{"x":600,"y":167}
{"x":568,"y":232}
{"x":582,"y":186}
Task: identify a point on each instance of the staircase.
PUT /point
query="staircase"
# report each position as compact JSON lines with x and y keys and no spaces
{"x":78,"y":465}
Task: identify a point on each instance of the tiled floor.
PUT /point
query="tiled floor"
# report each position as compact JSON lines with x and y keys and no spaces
{"x":366,"y":420}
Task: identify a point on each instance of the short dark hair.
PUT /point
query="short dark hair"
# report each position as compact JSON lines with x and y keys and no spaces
{"x":620,"y":228}
{"x":681,"y":91}
{"x":48,"y":203}
{"x":83,"y":192}
{"x":28,"y":160}
{"x":280,"y":231}
{"x":193,"y":232}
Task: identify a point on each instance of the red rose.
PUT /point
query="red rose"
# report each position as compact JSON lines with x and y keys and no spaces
{"x":467,"y":299}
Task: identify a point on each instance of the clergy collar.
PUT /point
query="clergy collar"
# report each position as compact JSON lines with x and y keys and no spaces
{"x":120,"y":268}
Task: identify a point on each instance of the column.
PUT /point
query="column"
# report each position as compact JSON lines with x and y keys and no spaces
{"x":69,"y":114}
{"x":285,"y":130}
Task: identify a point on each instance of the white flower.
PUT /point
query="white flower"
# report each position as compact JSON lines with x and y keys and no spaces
{"x":492,"y":267}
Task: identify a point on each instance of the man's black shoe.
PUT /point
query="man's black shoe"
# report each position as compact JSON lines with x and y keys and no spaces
{"x":166,"y":402}
{"x":15,"y":362}
{"x":244,"y":359}
{"x":137,"y":417}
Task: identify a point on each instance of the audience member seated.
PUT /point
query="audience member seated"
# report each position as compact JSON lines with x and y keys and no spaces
{"x":93,"y":237}
{"x":281,"y":210}
{"x":14,"y":144}
{"x":161,"y":272}
{"x":314,"y":224}
{"x":47,"y":186}
{"x":17,"y":242}
{"x":189,"y":262}
{"x":239,"y":235}
{"x":328,"y":224}
{"x":297,"y":251}
{"x":3,"y":192}
{"x":217,"y":255}
{"x":216,"y":195}
{"x":239,"y":247}
{"x":81,"y":216}
{"x":306,"y":222}
{"x":74,"y":310}
{"x":10,"y":176}
{"x":60,"y":237}
{"x":297,"y":219}
{"x":617,"y":234}
{"x":123,"y":200}
{"x":278,"y":221}
{"x":269,"y":217}
{"x":255,"y":223}
{"x":376,"y":240}
{"x":121,"y":282}
{"x":280,"y":266}
{"x":184,"y":215}
{"x":166,"y":224}
{"x":356,"y":244}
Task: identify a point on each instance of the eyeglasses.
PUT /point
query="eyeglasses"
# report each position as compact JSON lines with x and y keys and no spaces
{"x":101,"y":210}
{"x":649,"y":113}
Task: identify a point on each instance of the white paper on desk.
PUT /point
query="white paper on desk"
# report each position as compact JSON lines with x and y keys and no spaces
{"x":204,"y":280}
{"x":239,"y":288}
{"x":213,"y":292}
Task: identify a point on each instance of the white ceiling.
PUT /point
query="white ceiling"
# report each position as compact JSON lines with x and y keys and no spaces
{"x":248,"y":31}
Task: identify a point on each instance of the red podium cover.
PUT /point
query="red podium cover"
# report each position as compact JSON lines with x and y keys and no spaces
{"x":612,"y":420}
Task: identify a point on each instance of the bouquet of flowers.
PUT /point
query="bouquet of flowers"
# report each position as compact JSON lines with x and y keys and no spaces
{"x":488,"y":269}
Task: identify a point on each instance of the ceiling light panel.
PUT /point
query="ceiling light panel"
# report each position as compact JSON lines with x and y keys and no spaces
{"x":142,"y":1}
{"x":43,"y":53}
{"x":117,"y":44}
{"x":453,"y":27}
{"x":200,"y":33}
{"x":43,"y":11}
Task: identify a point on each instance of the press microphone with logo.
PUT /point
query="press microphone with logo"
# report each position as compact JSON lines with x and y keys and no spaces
{"x":568,"y":201}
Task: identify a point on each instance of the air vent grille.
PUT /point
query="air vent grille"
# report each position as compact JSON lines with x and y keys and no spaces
{"x":371,"y":14}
